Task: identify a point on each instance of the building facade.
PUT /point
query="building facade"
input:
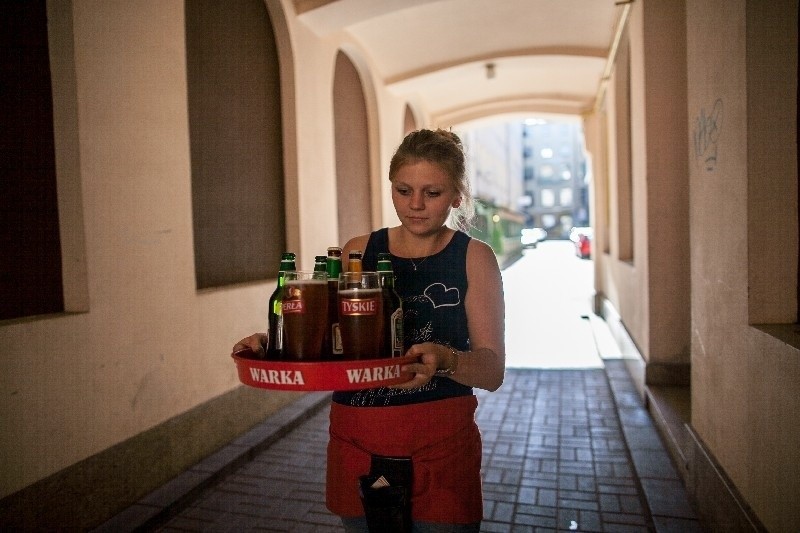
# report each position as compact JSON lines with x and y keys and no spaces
{"x":556,"y":181}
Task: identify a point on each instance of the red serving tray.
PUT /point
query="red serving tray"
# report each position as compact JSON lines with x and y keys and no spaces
{"x":321,"y":375}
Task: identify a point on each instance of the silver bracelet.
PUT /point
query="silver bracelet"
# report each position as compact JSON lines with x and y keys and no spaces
{"x":450,"y":370}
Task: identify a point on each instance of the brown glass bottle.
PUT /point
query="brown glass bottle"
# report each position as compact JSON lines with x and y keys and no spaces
{"x":354,"y":261}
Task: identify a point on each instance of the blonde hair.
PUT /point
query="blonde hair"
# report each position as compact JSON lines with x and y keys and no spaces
{"x":443,"y":148}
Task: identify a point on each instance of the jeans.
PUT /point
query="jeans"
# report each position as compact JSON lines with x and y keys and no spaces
{"x":359,"y":525}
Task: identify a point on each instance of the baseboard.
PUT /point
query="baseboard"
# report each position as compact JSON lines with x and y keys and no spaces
{"x":718,"y":502}
{"x":670,"y":408}
{"x":91,"y":491}
{"x":628,"y":350}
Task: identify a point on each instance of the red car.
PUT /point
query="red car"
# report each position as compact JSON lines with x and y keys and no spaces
{"x":582,"y":237}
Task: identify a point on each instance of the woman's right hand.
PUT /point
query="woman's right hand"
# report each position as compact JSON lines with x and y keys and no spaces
{"x":255,"y":343}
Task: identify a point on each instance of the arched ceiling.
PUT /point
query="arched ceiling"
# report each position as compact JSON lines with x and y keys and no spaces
{"x":547,"y":56}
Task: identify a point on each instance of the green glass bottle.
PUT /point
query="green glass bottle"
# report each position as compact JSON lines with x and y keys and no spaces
{"x":333,"y":339}
{"x":275,"y":315}
{"x":320,"y":266}
{"x":393,"y":345}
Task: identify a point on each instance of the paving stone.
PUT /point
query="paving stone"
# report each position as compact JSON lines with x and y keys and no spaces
{"x":558,"y":456}
{"x":667,"y":498}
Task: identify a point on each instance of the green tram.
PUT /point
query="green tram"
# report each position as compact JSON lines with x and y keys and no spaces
{"x":500,"y":228}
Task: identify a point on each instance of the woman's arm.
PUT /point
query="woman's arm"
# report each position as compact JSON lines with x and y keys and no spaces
{"x":484,"y":365}
{"x":256,"y":343}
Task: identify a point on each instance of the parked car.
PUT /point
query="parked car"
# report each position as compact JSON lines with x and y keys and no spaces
{"x":582,"y":237}
{"x":532,"y":236}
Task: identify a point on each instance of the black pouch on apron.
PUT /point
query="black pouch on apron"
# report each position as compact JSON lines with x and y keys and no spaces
{"x":386,"y":494}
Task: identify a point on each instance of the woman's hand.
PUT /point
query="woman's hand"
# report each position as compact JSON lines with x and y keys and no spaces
{"x":255,"y":343}
{"x":432,"y":357}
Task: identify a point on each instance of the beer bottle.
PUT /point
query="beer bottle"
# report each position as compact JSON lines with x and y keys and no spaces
{"x":320,"y":266}
{"x":333,"y":338}
{"x":275,"y":313}
{"x":393,"y":344}
{"x":333,"y":263}
{"x":354,"y":261}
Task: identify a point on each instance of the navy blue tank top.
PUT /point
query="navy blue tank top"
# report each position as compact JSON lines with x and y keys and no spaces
{"x":432,"y":289}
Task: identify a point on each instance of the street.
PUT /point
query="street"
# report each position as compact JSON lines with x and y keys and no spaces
{"x":547,"y":292}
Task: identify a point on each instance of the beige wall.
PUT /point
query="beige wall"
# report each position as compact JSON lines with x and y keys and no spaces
{"x":745,"y":383}
{"x":650,"y":289}
{"x":715,"y":239}
{"x":150,"y":346}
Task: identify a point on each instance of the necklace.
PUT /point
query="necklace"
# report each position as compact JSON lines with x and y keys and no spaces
{"x":418,"y":264}
{"x":433,"y":247}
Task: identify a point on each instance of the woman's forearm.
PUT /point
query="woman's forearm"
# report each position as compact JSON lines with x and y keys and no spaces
{"x":481,"y":368}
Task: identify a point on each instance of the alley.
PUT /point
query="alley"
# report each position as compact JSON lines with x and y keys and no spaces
{"x":568,"y":445}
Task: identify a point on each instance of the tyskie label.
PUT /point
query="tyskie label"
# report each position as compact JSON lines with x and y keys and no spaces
{"x":358,"y":306}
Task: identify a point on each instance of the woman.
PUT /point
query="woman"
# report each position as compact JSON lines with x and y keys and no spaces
{"x":453,"y":306}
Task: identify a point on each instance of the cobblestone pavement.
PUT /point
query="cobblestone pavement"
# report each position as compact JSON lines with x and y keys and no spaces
{"x":556,"y":458}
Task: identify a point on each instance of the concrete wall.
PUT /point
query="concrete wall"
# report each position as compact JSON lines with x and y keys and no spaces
{"x":641,"y":190}
{"x":147,"y":346}
{"x":713,"y":278}
{"x":742,"y":106}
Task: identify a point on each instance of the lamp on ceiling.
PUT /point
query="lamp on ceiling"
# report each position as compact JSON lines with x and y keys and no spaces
{"x":489,"y":71}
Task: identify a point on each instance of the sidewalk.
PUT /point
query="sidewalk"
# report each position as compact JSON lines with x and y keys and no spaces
{"x":564,"y":450}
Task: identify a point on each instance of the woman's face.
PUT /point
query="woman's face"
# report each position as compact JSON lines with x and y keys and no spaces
{"x":422,"y":194}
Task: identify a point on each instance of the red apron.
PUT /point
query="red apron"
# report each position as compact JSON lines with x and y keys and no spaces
{"x":442,"y":439}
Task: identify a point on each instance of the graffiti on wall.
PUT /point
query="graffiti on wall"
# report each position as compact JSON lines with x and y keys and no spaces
{"x":705,"y":136}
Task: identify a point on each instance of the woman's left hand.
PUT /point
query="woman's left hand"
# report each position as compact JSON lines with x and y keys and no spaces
{"x":430,"y":358}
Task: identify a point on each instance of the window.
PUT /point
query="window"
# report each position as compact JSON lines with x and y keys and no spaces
{"x":565,"y":197}
{"x":773,"y":227}
{"x":548,"y":198}
{"x":30,"y":262}
{"x":236,"y":142}
{"x":528,"y":173}
{"x":624,"y":175}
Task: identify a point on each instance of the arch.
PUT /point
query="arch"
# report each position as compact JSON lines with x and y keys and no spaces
{"x":410,"y":122}
{"x":286,"y":69}
{"x":236,"y":142}
{"x":354,"y":189}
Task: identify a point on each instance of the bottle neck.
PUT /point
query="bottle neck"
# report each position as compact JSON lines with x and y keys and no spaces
{"x":386,"y":278}
{"x":334,"y":268}
{"x":285,"y":267}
